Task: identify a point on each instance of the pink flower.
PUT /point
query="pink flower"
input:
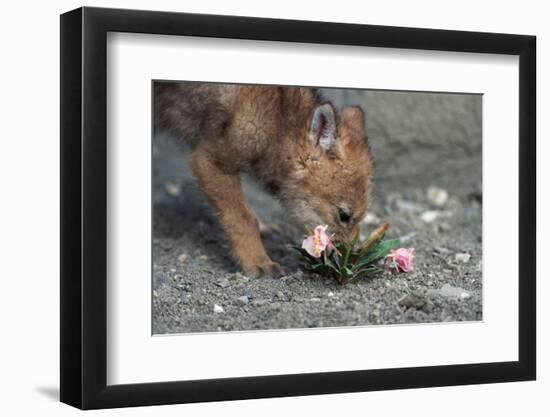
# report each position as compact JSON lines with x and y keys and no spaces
{"x":400,"y":260}
{"x":320,"y":241}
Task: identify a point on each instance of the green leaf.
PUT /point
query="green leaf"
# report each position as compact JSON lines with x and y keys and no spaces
{"x":378,"y":252}
{"x":348,"y":271}
{"x":367,"y":270}
{"x":389,"y":244}
{"x":335,"y":259}
{"x":329,"y":262}
{"x":326,"y":267}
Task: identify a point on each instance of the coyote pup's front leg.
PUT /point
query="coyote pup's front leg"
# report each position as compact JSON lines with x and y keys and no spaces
{"x":222,"y":187}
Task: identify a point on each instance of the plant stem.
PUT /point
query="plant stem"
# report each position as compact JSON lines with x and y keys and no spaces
{"x":375,"y":237}
{"x":346,"y":257}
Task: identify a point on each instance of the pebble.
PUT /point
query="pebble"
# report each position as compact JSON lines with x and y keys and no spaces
{"x":280,"y":294}
{"x":166,"y":245}
{"x":183,"y":258}
{"x":371,"y":219}
{"x":172,"y":189}
{"x":437,"y":196}
{"x":407,"y":237}
{"x":330,"y":294}
{"x":429,"y":216}
{"x":243,"y":300}
{"x":218,"y":309}
{"x":414,"y":299}
{"x":203,"y":258}
{"x":408,"y":206}
{"x":299,"y":274}
{"x":448,"y":291}
{"x":237,"y":276}
{"x":462,"y":257}
{"x":223,"y":283}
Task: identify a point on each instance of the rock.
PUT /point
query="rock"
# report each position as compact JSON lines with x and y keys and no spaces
{"x":218,"y":309}
{"x":453,"y":292}
{"x":223,"y":283}
{"x":166,"y":245}
{"x":172,"y":189}
{"x":408,"y":206}
{"x":330,"y":294}
{"x":280,"y":294}
{"x":275,"y":306}
{"x":237,"y":276}
{"x":259,"y":303}
{"x":183,"y":258}
{"x":203,"y":258}
{"x":429,"y":216}
{"x":243,"y":300}
{"x":462,"y":258}
{"x":448,"y":291}
{"x":371,"y":219}
{"x":437,"y":196}
{"x":414,"y":299}
{"x":404,"y":239}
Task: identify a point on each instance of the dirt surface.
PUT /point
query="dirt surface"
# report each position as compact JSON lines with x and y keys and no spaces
{"x":427,"y":149}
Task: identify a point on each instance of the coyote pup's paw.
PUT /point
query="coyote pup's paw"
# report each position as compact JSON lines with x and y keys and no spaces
{"x":267,"y":269}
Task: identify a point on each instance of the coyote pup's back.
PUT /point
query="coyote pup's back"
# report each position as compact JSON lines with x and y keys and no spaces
{"x":316,"y":161}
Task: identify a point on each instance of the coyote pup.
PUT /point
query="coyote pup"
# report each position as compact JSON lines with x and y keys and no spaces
{"x":315,"y":161}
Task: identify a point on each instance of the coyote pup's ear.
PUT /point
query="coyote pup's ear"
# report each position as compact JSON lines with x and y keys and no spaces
{"x":323,"y":127}
{"x":354,"y":117}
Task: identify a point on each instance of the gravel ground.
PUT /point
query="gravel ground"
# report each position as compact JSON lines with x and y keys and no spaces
{"x":428,"y":187}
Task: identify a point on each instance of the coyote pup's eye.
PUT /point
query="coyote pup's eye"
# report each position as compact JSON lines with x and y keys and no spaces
{"x":344,"y":214}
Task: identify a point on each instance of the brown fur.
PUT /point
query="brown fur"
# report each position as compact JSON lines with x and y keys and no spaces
{"x":285,"y":137}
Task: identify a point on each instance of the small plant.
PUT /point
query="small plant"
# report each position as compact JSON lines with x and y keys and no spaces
{"x":351,"y":260}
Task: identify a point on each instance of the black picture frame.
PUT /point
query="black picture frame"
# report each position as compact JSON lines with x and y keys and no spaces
{"x":84,"y":207}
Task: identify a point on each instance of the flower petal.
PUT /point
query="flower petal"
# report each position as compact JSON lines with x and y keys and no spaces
{"x":401,"y":259}
{"x":322,"y":238}
{"x":309,"y":246}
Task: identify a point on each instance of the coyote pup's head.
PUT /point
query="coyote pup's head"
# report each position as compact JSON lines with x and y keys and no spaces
{"x":332,"y":178}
